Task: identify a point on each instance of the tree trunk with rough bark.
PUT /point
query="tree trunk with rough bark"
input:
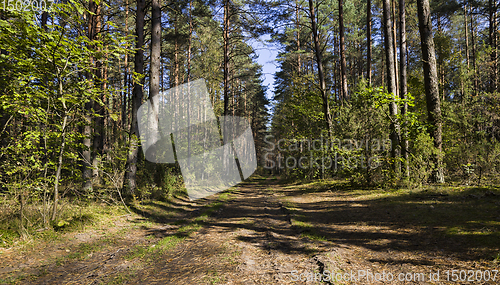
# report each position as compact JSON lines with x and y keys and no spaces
{"x":431,"y":84}
{"x":391,"y":83}
{"x":297,"y":26}
{"x":125,"y":76}
{"x":492,"y":35}
{"x":131,"y":166}
{"x":403,"y":87}
{"x":226,"y":56}
{"x":98,"y":126}
{"x":87,"y":171}
{"x":474,"y":53}
{"x":319,"y":60}
{"x":369,"y":42}
{"x":394,"y":40}
{"x":466,"y":36}
{"x":343,"y":67}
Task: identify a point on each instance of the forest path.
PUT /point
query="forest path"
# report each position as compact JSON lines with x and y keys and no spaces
{"x":246,"y":239}
{"x":260,"y":233}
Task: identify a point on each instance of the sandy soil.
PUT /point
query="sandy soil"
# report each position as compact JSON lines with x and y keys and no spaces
{"x":256,"y":238}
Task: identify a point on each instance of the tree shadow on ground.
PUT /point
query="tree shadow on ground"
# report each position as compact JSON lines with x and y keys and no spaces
{"x":465,"y":224}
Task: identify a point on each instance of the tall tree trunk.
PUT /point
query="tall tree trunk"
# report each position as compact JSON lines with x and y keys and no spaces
{"x":466,"y":36}
{"x":22,"y":229}
{"x":131,"y":166}
{"x":369,"y":42}
{"x":87,"y":171}
{"x":474,"y":65}
{"x":394,"y":37}
{"x":431,"y":83}
{"x":226,"y":56}
{"x":125,"y":76}
{"x":403,"y":87}
{"x":188,"y":107}
{"x":297,"y":26}
{"x":105,"y":100}
{"x":177,"y":64}
{"x":155,"y":69}
{"x":382,"y":70}
{"x":391,"y":83}
{"x":98,"y":127}
{"x":87,"y":152}
{"x":190,"y":39}
{"x":233,"y":91}
{"x":440,"y":62}
{"x":342,"y":51}
{"x":45,"y":16}
{"x":109,"y":135}
{"x":319,"y":60}
{"x":493,"y":45}
{"x":61,"y":152}
{"x":463,"y":81}
{"x":176,"y":69}
{"x":359,"y":62}
{"x":336,"y":73}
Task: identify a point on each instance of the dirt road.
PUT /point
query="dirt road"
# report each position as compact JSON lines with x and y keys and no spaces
{"x":260,"y":233}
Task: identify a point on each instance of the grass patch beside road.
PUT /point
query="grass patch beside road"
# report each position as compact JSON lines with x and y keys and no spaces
{"x":458,"y":220}
{"x":152,"y":252}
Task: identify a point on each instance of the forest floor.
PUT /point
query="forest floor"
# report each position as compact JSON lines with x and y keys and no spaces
{"x":264,"y":232}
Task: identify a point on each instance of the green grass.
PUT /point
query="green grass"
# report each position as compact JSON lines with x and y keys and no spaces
{"x":213,"y":277}
{"x":87,"y":249}
{"x":124,"y":276}
{"x":155,"y":251}
{"x":468,"y":212}
{"x":121,"y":278}
{"x":202,"y":219}
{"x":302,"y":224}
{"x":189,"y":229}
{"x":231,"y":258}
{"x":467,"y":215}
{"x":313,"y":236}
{"x":16,"y":279}
{"x":163,"y":245}
{"x":308,"y":230}
{"x":138,"y":251}
{"x":73,"y":216}
{"x":497,"y":258}
{"x":168,"y":243}
{"x":84,"y":250}
{"x":100,"y":218}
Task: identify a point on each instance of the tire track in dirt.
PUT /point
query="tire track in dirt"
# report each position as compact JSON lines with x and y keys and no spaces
{"x":249,"y":241}
{"x":256,"y":237}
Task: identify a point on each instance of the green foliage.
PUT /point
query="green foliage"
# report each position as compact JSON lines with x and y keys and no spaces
{"x":159,"y":182}
{"x":75,"y":215}
{"x":44,"y":86}
{"x":471,"y":139}
{"x":421,"y":166}
{"x":465,"y":72}
{"x":365,"y":120}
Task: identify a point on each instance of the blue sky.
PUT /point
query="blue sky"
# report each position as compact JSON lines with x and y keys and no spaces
{"x":267,"y":53}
